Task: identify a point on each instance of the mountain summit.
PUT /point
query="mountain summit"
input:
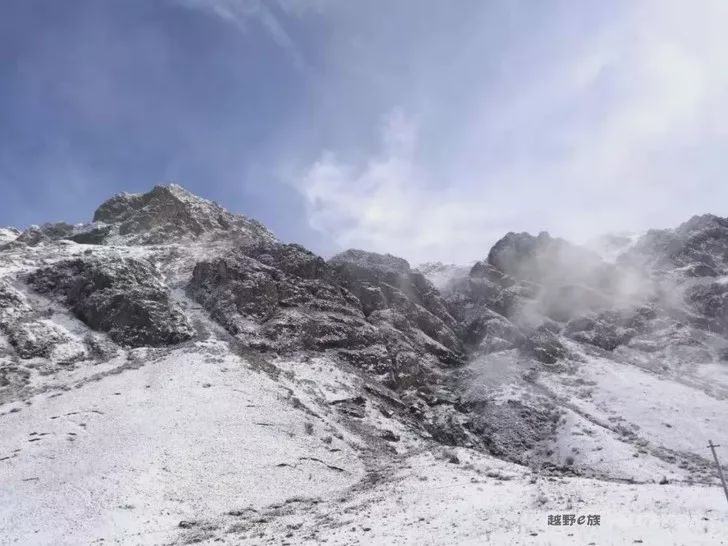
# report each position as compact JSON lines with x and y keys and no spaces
{"x":169,"y":212}
{"x":166,"y":214}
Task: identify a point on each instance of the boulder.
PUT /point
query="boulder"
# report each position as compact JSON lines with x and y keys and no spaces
{"x":121,"y":296}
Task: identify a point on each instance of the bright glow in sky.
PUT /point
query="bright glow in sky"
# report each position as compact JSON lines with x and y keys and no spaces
{"x":423,"y":128}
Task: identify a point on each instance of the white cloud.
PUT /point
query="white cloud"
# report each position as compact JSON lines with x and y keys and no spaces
{"x":578,"y":119}
{"x":384,"y":205}
{"x":601,"y":134}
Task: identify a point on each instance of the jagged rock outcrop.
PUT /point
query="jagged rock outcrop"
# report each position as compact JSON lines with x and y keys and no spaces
{"x":697,"y":248}
{"x":544,"y":345}
{"x":283,"y":298}
{"x":533,"y":291}
{"x":497,"y":313}
{"x":124,"y":297}
{"x":710,"y":301}
{"x":29,"y":332}
{"x":370,"y":310}
{"x":606,"y":330}
{"x":392,"y":293}
{"x":514,"y":429}
{"x":90,"y":234}
{"x":547,"y":260}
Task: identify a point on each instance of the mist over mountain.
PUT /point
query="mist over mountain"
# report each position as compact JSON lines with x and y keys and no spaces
{"x":173,"y":373}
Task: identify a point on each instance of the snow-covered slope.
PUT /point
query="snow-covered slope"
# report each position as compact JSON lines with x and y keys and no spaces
{"x":481,"y":500}
{"x":127,"y":456}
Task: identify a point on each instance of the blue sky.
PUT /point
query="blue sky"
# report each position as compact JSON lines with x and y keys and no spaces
{"x":425,"y":128}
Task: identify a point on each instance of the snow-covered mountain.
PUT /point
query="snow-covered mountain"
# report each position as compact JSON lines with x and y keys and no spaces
{"x":173,"y":373}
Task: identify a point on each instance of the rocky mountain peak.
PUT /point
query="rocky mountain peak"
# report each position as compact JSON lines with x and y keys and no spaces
{"x":122,"y":206}
{"x":543,"y":258}
{"x":700,"y":223}
{"x":165,"y":214}
{"x":170,"y":211}
{"x":697,"y":248}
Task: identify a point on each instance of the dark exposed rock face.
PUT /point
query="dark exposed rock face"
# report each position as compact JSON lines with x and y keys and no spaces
{"x":481,"y":303}
{"x":90,"y":234}
{"x":622,"y":325}
{"x":392,"y":293}
{"x":123,"y":297}
{"x":513,"y":429}
{"x":47,"y":232}
{"x":487,"y":332}
{"x":710,"y":301}
{"x":494,"y":291}
{"x":374,"y":312}
{"x":544,"y":345}
{"x":280,"y":297}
